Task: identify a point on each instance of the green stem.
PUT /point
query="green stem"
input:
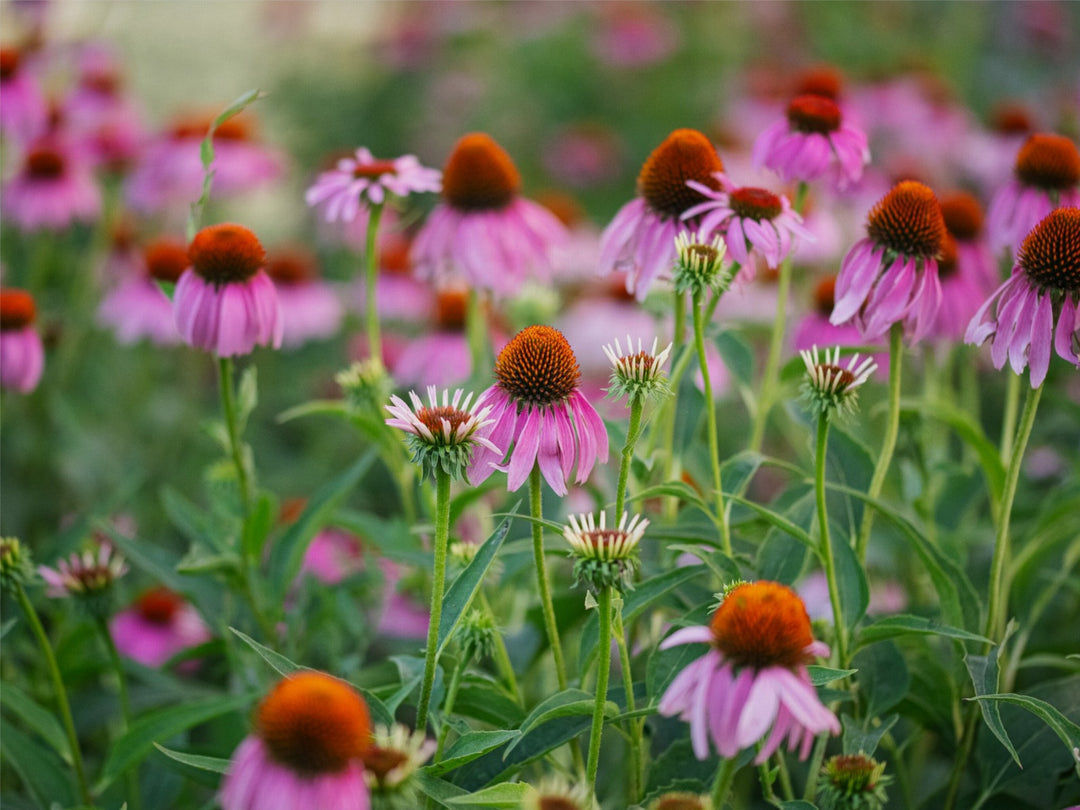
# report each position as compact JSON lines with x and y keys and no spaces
{"x":442,"y":534}
{"x":725,"y":775}
{"x":999,"y":598}
{"x":131,"y":775}
{"x":957,"y":775}
{"x":448,"y":704}
{"x":632,"y":432}
{"x":785,"y":777}
{"x":542,"y":581}
{"x":500,"y":655}
{"x":771,"y":376}
{"x":816,"y":759}
{"x":637,"y":759}
{"x":58,"y":688}
{"x":671,"y":407}
{"x":1008,"y":418}
{"x":232,"y":427}
{"x":710,"y":423}
{"x":603,"y":669}
{"x":371,"y":263}
{"x":476,"y":333}
{"x":892,"y":430}
{"x":826,"y":542}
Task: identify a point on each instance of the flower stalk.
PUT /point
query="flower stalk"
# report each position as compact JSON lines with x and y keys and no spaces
{"x":603,"y":670}
{"x":131,"y":775}
{"x":542,"y":581}
{"x":438,"y":584}
{"x":710,"y":424}
{"x":826,"y":543}
{"x":371,"y":277}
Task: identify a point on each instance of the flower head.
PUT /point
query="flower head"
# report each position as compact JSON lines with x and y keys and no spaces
{"x":681,"y":800}
{"x":442,"y":436}
{"x":753,"y":677}
{"x":22,"y":355}
{"x":637,"y":375}
{"x":311,"y":733}
{"x":605,"y":558}
{"x":852,"y":782}
{"x":1044,"y":287}
{"x":366,"y":385}
{"x":395,"y":754}
{"x":53,"y":189}
{"x":554,"y":792}
{"x":830,"y":386}
{"x":359,"y":182}
{"x":159,"y":625}
{"x":88,"y":576}
{"x":699,"y":264}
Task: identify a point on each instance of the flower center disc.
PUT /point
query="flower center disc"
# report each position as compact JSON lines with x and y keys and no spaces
{"x":451,"y":309}
{"x":44,"y":163}
{"x":479,"y":175}
{"x":432,"y":418}
{"x":1048,"y":162}
{"x":538,"y":366}
{"x":226,"y":253}
{"x":375,"y":169}
{"x":842,"y":376}
{"x":679,"y":802}
{"x":1011,"y":119}
{"x":908,"y":220}
{"x":234,"y":129}
{"x":166,"y":260}
{"x":380,"y":761}
{"x":685,"y":154}
{"x":762,"y":624}
{"x":1050,"y":254}
{"x":159,"y":606}
{"x":291,"y":267}
{"x":314,"y":723}
{"x":17,"y":309}
{"x":824,"y":81}
{"x":963,"y":215}
{"x":557,"y":803}
{"x":813,"y":114}
{"x":825,"y":296}
{"x":755,"y":203}
{"x":9,"y":63}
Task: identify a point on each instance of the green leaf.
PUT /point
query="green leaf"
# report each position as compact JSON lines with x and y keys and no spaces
{"x":130,"y":749}
{"x":247,"y":396}
{"x":903,"y":625}
{"x":568,"y":703}
{"x":257,"y":527}
{"x":335,"y":407}
{"x":738,"y":357}
{"x":214,"y":764}
{"x":287,"y":553}
{"x":507,"y":794}
{"x":468,"y":747}
{"x":193,"y":522}
{"x":5,"y":628}
{"x":883,"y":676}
{"x":45,"y":777}
{"x":819,"y":676}
{"x":159,"y":563}
{"x":798,"y":804}
{"x":857,"y":740}
{"x":850,"y":580}
{"x":438,"y":789}
{"x":673,"y":489}
{"x":37,"y":718}
{"x":777,"y":520}
{"x":461,"y":592}
{"x":983,"y":670}
{"x":780,"y":557}
{"x":1066,"y":729}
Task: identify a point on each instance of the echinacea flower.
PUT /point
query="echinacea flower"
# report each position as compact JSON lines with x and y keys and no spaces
{"x":359,"y":182}
{"x":85,"y":575}
{"x":751,"y":220}
{"x":816,"y":330}
{"x":753,"y":678}
{"x":23,"y":108}
{"x":483,"y":229}
{"x":812,"y":141}
{"x":1044,"y":287}
{"x":52,"y":189}
{"x":830,"y":386}
{"x":641,"y":237}
{"x":22,"y":356}
{"x":536,"y":404}
{"x":554,"y":792}
{"x":159,"y":625}
{"x":637,"y":375}
{"x":101,"y":118}
{"x":681,"y":800}
{"x":137,"y":308}
{"x":700,"y":265}
{"x":310,"y":308}
{"x":395,"y":754}
{"x":225,"y":303}
{"x":311,"y":733}
{"x":852,"y":782}
{"x":441,"y":357}
{"x":964,"y":220}
{"x":605,"y":558}
{"x":443,"y":436}
{"x":892,"y":275}
{"x":1046,"y":176}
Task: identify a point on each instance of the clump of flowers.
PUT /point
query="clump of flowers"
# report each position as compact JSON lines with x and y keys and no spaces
{"x":603,"y":557}
{"x":831,"y":387}
{"x":852,"y":782}
{"x":637,"y":375}
{"x":395,"y":754}
{"x":700,"y":265}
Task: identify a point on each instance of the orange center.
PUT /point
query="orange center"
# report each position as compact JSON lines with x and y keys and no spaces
{"x":963,"y":215}
{"x":824,"y":81}
{"x":226,"y":253}
{"x":679,"y":801}
{"x":813,"y":113}
{"x":755,"y":203}
{"x":1050,"y":254}
{"x":557,"y":803}
{"x":196,"y":126}
{"x":685,"y":154}
{"x":314,"y":723}
{"x":9,"y":63}
{"x":825,"y":295}
{"x":375,"y":169}
{"x":1011,"y":119}
{"x":538,"y":367}
{"x":946,"y":261}
{"x":1049,"y":162}
{"x":479,"y":175}
{"x":45,"y":163}
{"x":17,"y":309}
{"x":380,"y":761}
{"x":166,"y":260}
{"x":762,"y":624}
{"x":291,"y":266}
{"x":159,"y":606}
{"x":451,"y":310}
{"x":432,"y":418}
{"x":843,"y":378}
{"x":908,"y":220}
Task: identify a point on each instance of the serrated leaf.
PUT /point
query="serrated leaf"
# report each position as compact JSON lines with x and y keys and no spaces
{"x":1066,"y":729}
{"x":36,"y":717}
{"x":902,"y":625}
{"x":213,"y":764}
{"x":507,"y":794}
{"x":468,"y":747}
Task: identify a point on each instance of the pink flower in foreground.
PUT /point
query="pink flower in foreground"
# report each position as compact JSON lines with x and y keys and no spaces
{"x":137,"y":308}
{"x":536,"y":404}
{"x":641,"y":237}
{"x":160,"y":625}
{"x":811,"y":142}
{"x":22,"y":357}
{"x":52,"y":190}
{"x":1044,"y":287}
{"x":892,"y":274}
{"x":359,"y":182}
{"x":311,"y":733}
{"x":483,"y":229}
{"x":225,"y":303}
{"x":753,"y":680}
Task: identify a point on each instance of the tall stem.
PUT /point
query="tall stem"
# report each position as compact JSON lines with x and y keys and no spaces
{"x":671,"y":407}
{"x":710,"y":423}
{"x":131,"y":776}
{"x":1008,"y":417}
{"x":232,"y":427}
{"x":771,"y":377}
{"x":825,"y":539}
{"x":636,"y":407}
{"x":371,"y":277}
{"x":500,"y":655}
{"x":603,"y":669}
{"x":58,"y":687}
{"x":542,"y":582}
{"x":637,"y":759}
{"x":476,"y":332}
{"x":725,"y":775}
{"x":892,"y":429}
{"x":442,"y":534}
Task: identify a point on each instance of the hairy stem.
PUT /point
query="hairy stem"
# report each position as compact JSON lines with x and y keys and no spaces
{"x":442,"y":533}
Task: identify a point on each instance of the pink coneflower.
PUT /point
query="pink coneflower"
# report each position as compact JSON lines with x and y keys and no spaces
{"x":892,"y":275}
{"x":815,"y":329}
{"x":634,"y":35}
{"x":23,"y":108}
{"x":753,"y":678}
{"x":225,"y":303}
{"x":1046,"y":176}
{"x":641,"y":237}
{"x":137,"y":308}
{"x":84,"y":574}
{"x":483,"y":229}
{"x":811,"y":142}
{"x":52,"y":189}
{"x":22,"y":357}
{"x":1044,"y":285}
{"x":990,"y":153}
{"x":964,"y":221}
{"x":441,"y":357}
{"x":752,"y":221}
{"x":310,"y":308}
{"x":961,"y":295}
{"x":536,"y":404}
{"x":104,"y":121}
{"x":159,"y":625}
{"x":311,"y":733}
{"x":359,"y":182}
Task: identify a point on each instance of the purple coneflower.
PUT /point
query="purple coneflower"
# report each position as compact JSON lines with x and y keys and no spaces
{"x":753,"y":678}
{"x":103,"y":120}
{"x":1044,"y":285}
{"x":84,"y":574}
{"x":311,"y":733}
{"x":310,"y":308}
{"x":22,"y":357}
{"x":356,"y":183}
{"x":964,"y":220}
{"x":442,"y":356}
{"x":641,"y":237}
{"x":225,"y":303}
{"x":160,"y":625}
{"x":484,"y":229}
{"x":137,"y":308}
{"x":23,"y":108}
{"x":892,"y":275}
{"x":536,"y":404}
{"x":52,"y":189}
